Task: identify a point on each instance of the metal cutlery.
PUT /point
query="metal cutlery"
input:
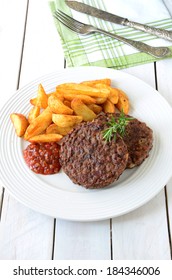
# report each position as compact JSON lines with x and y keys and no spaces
{"x":85,"y":29}
{"x":92,"y":11}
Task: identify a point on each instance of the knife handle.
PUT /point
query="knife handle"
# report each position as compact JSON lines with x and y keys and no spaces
{"x":158,"y":52}
{"x":162,"y":33}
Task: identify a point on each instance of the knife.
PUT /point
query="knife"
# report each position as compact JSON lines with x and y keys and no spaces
{"x":92,"y":11}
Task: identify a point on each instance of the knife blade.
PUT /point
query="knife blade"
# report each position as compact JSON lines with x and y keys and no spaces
{"x":92,"y":11}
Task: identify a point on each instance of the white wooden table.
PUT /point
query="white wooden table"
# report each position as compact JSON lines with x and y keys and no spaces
{"x":30,"y":47}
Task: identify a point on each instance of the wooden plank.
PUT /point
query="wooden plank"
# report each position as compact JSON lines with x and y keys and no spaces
{"x":26,"y":234}
{"x":164,"y":74}
{"x":11,"y":37}
{"x":143,"y":72}
{"x":82,"y":241}
{"x":168,"y":5}
{"x":148,"y":224}
{"x":142,"y":234}
{"x":43,"y":52}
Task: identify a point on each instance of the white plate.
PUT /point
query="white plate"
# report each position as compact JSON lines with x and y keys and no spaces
{"x":56,"y":195}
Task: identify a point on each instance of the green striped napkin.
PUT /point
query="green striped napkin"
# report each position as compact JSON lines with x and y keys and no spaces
{"x":100,"y":50}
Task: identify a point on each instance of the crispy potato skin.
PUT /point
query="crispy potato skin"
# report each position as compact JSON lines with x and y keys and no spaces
{"x":20,"y":123}
{"x":59,"y":111}
{"x":39,"y":124}
{"x":53,"y":128}
{"x":58,"y":107}
{"x":66,"y":120}
{"x":123,"y":102}
{"x":83,"y":110}
{"x":46,"y":138}
{"x":33,"y":114}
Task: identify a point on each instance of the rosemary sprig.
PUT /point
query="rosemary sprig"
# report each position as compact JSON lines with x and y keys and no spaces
{"x":116,"y":126}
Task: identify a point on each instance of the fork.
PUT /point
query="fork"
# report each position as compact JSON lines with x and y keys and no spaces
{"x":85,"y":29}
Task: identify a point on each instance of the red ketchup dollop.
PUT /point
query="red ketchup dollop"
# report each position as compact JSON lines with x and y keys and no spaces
{"x":42,"y":158}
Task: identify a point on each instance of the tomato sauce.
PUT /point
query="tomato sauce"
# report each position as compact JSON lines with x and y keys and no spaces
{"x":42,"y":158}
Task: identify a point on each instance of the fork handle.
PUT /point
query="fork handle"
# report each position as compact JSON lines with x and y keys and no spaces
{"x":158,"y":52}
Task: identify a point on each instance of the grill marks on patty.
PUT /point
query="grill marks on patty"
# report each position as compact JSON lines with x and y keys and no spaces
{"x":92,"y":162}
{"x":88,"y":159}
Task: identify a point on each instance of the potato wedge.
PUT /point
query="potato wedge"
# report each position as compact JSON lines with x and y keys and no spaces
{"x":50,"y":93}
{"x":74,"y":88}
{"x":53,"y":129}
{"x":59,"y":95}
{"x":33,"y":101}
{"x":113,"y":96}
{"x":66,"y":120}
{"x":39,"y":124}
{"x":57,"y":106}
{"x":99,"y":81}
{"x":33,"y":114}
{"x":46,"y":138}
{"x":42,"y":98}
{"x":123,"y":102}
{"x":86,"y":99}
{"x":67,"y":103}
{"x":108,"y":107}
{"x":95,"y":108}
{"x":20,"y":123}
{"x":83,"y":110}
{"x":100,"y":100}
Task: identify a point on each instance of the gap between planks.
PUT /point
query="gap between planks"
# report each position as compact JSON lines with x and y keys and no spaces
{"x":23,"y":42}
{"x":165,"y":188}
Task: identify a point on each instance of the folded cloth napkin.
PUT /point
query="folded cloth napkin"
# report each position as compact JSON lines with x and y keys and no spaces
{"x":100,"y":50}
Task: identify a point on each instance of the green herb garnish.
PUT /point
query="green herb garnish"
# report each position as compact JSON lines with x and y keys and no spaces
{"x":116,"y":126}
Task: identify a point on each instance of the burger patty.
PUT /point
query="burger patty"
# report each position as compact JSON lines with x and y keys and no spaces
{"x":88,"y":159}
{"x":139,"y":140}
{"x":138,"y":137}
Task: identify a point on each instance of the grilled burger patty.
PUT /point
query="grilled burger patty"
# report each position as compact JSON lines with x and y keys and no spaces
{"x":138,"y":138}
{"x":88,"y":159}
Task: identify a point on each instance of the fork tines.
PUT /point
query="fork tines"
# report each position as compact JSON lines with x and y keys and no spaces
{"x":68,"y":21}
